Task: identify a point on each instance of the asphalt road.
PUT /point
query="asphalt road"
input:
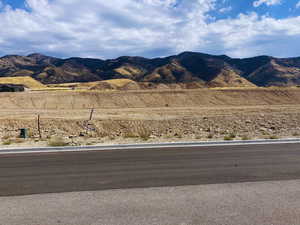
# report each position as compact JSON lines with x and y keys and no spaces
{"x":22,"y":174}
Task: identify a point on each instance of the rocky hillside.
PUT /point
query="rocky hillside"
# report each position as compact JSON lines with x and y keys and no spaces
{"x":188,"y":67}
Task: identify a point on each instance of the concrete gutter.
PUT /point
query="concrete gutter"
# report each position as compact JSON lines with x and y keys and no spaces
{"x":143,"y":146}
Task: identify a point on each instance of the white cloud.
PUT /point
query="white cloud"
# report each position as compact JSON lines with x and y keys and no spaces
{"x":108,"y":29}
{"x":103,"y":28}
{"x":166,"y":3}
{"x":225,"y":9}
{"x":250,"y":35}
{"x":298,"y":5}
{"x":267,"y":2}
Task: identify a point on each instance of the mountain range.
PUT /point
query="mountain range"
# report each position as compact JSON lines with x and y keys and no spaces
{"x":188,"y":67}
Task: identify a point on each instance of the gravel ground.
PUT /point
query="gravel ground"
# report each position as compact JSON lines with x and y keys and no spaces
{"x":261,"y":203}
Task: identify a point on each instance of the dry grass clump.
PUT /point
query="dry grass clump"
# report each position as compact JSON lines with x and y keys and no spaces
{"x":144,"y":133}
{"x":18,"y":140}
{"x":130,"y":135}
{"x":11,"y":141}
{"x":6,"y":137}
{"x":138,"y":131}
{"x":57,"y":142}
{"x":7,"y":142}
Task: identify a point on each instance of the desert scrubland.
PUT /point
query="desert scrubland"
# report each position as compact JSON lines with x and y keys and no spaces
{"x":149,"y":116}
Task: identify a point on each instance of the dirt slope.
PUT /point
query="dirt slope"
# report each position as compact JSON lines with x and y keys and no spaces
{"x":142,"y":99}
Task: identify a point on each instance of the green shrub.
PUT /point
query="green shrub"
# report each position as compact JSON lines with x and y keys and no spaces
{"x":7,"y":142}
{"x":232,"y":135}
{"x":89,"y":143}
{"x":210,"y":136}
{"x":228,"y":138}
{"x":245,"y":138}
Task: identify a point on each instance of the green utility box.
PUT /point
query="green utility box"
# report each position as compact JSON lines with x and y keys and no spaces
{"x":23,"y":133}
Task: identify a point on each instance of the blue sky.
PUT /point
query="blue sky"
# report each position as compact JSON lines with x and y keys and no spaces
{"x":151,"y":28}
{"x":285,"y":9}
{"x":15,"y":3}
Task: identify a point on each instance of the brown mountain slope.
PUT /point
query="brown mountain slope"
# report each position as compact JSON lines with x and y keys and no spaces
{"x":171,"y":73}
{"x":229,"y":78}
{"x":185,"y":68}
{"x":274,"y":74}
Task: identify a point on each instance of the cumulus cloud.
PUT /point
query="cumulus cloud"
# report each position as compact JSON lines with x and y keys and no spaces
{"x":298,"y":5}
{"x":254,"y":35}
{"x":267,"y":2}
{"x":103,"y":28}
{"x":151,"y":28}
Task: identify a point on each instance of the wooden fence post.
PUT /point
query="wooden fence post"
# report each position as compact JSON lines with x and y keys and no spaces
{"x":39,"y":127}
{"x":91,"y":115}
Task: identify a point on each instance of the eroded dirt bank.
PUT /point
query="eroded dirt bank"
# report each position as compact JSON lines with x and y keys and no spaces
{"x":125,"y":117}
{"x":73,"y":100}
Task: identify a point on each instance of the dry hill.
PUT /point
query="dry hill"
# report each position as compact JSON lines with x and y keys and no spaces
{"x":25,"y":81}
{"x":188,"y":67}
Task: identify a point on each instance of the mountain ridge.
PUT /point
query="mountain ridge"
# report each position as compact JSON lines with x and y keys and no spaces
{"x":186,"y":67}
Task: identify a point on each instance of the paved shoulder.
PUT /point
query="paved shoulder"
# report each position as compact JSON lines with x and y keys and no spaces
{"x":275,"y":203}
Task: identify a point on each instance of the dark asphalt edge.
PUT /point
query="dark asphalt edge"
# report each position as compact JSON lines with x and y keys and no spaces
{"x":144,"y":146}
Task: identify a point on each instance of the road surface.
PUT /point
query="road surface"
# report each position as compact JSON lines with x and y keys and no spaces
{"x":257,"y":203}
{"x":34,"y":173}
